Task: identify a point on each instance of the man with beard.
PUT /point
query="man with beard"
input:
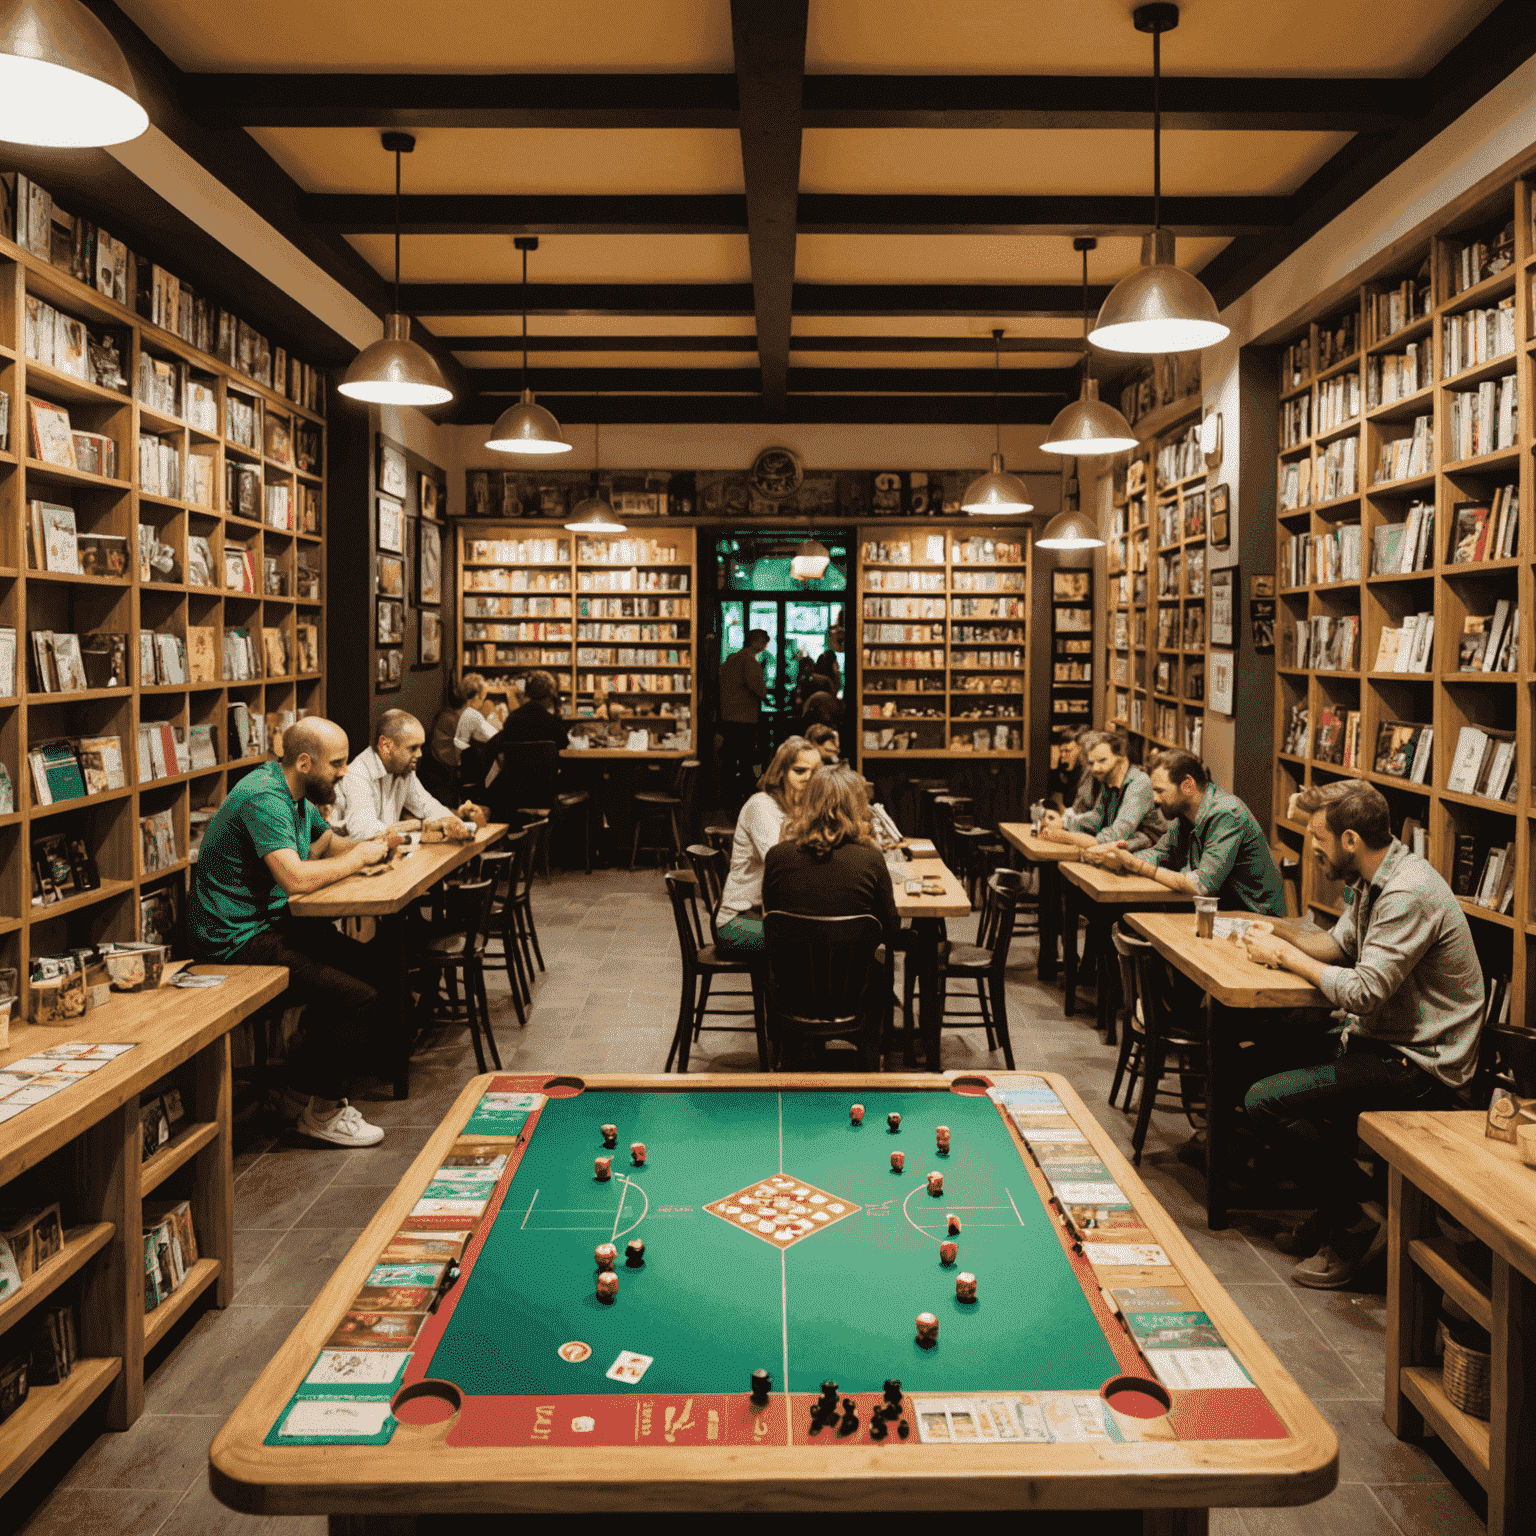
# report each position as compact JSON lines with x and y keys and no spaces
{"x":1402,"y":967}
{"x":1124,"y":810}
{"x":269,"y":841}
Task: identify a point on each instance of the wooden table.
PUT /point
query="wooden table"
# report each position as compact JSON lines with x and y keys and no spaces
{"x":1443,"y":1158}
{"x":687,"y":1439}
{"x":1105,"y":895}
{"x":927,"y":915}
{"x":83,"y":1147}
{"x":1045,"y":856}
{"x":1234,"y":986}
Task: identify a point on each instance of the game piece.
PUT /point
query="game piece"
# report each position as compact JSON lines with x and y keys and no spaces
{"x":948,"y":1252}
{"x":894,"y":1121}
{"x":965,"y":1286}
{"x":607,"y":1285}
{"x":761,"y":1382}
{"x":829,"y":1394}
{"x":603,"y":1167}
{"x":935,"y":1183}
{"x":634,"y":1252}
{"x":877,"y":1430}
{"x":850,"y":1422}
{"x":610,"y":1135}
{"x":941,"y":1136}
{"x":927,"y":1329}
{"x":893,"y":1392}
{"x":637,"y":1152}
{"x":953,"y":1222}
{"x":856,"y":1114}
{"x":605,"y":1254}
{"x":898,"y":1161}
{"x":903,"y":1429}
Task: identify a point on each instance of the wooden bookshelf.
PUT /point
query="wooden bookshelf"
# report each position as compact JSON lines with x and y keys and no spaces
{"x":944,"y":641}
{"x":1357,"y":351}
{"x":611,"y":617}
{"x":32,"y":599}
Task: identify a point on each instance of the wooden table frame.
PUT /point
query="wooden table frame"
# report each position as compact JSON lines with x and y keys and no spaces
{"x":1443,"y":1158}
{"x":1234,"y":987}
{"x":1045,"y":856}
{"x":367,"y":1490}
{"x":927,"y":915}
{"x":1103,"y":896}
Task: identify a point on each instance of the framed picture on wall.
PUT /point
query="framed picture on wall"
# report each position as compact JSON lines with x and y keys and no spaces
{"x":1221,"y":526}
{"x":429,"y":562}
{"x":386,"y":676}
{"x":394,"y":479}
{"x":391,"y":525}
{"x":394,"y":665}
{"x":1221,"y":683}
{"x":1223,"y":590}
{"x":391,"y":576}
{"x":429,"y":496}
{"x":430,"y":638}
{"x":391,"y":622}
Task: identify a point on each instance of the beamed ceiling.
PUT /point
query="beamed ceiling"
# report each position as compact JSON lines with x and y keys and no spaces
{"x":813,"y":210}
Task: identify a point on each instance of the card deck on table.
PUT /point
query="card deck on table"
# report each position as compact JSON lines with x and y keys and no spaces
{"x":377,"y":1330}
{"x":629,"y":1367}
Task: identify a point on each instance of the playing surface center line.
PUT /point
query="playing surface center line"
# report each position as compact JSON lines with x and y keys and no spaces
{"x":585,"y":1210}
{"x":922,"y":1189}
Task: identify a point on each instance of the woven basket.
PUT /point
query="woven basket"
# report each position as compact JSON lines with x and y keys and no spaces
{"x":1468,"y":1377}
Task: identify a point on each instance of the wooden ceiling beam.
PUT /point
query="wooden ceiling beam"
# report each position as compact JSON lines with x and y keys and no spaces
{"x":832,"y":410}
{"x":683,"y":342}
{"x":843,"y":381}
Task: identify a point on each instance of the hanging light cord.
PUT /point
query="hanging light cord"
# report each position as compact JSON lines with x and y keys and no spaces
{"x":397,"y":231}
{"x":1157,"y":133}
{"x":1087,"y":350}
{"x":997,"y":386}
{"x":525,"y":320}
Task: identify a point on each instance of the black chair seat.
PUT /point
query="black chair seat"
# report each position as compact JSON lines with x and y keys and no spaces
{"x":657,"y":797}
{"x":971,"y":959}
{"x":710,"y":959}
{"x":570,"y":797}
{"x":450,"y":946}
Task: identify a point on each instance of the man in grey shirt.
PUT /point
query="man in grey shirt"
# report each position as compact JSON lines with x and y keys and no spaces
{"x":1123,"y":810}
{"x":1401,"y":964}
{"x":742,"y":692}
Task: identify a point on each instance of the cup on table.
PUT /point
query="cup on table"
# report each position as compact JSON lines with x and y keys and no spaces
{"x":1205,"y":916}
{"x":1037,"y":816}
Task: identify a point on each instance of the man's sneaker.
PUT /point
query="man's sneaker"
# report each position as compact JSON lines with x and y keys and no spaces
{"x":1304,"y":1240}
{"x":291,"y":1103}
{"x":344,"y":1127}
{"x":1343,"y":1257}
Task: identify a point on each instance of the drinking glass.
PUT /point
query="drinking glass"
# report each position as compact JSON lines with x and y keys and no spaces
{"x":1205,"y":916}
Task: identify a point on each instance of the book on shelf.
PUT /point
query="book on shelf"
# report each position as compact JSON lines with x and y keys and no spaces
{"x":56,"y":772}
{"x":163,"y":751}
{"x":242,"y":490}
{"x":201,"y":749}
{"x":102,"y":554}
{"x":242,"y":664}
{"x":104,"y":658}
{"x":1297,"y":733}
{"x":1485,"y":530}
{"x":170,"y":1249}
{"x":159,"y":915}
{"x":1483,"y":420}
{"x":95,"y":453}
{"x":202,"y":653}
{"x":1409,"y":648}
{"x":52,"y":441}
{"x":7,"y":661}
{"x":1477,"y":260}
{"x":1495,"y":884}
{"x":1415,"y":837}
{"x":1403,"y":750}
{"x":159,"y":466}
{"x":160,"y":383}
{"x":1403,"y":457}
{"x":57,"y":662}
{"x":239,"y":568}
{"x":55,"y":543}
{"x":157,"y":841}
{"x":1477,"y":336}
{"x":199,"y":561}
{"x":1483,"y":763}
{"x":54,"y":874}
{"x":1393,"y":376}
{"x":274,"y":644}
{"x":101,"y":763}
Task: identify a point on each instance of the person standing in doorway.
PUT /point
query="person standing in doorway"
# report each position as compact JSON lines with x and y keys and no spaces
{"x":743,"y":689}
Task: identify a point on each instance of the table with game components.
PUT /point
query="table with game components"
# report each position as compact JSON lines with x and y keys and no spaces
{"x":744,"y":1292}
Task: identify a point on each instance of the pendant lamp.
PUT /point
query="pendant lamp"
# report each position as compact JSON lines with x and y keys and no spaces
{"x":592,"y":514}
{"x":396,"y":370}
{"x":64,"y":81}
{"x":1158,"y":308}
{"x":810,"y":561}
{"x":526,"y":427}
{"x":1069,"y":530}
{"x":997,"y":493}
{"x":1088,"y":427}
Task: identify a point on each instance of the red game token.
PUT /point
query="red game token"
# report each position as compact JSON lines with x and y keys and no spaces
{"x":894,"y":1121}
{"x":606,"y":1255}
{"x":953,"y":1222}
{"x":856,"y":1114}
{"x":935,"y":1183}
{"x":965,"y":1286}
{"x":610,"y":1135}
{"x":898,"y":1161}
{"x":603,"y":1168}
{"x":607,"y":1285}
{"x":927,"y":1329}
{"x":948,"y":1252}
{"x":637,"y":1152}
{"x":941,"y":1136}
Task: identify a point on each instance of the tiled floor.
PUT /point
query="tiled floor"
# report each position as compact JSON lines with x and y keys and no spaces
{"x":608,"y":1001}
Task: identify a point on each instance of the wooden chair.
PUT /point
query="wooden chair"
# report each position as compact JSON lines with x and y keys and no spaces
{"x":720,"y":836}
{"x":454,"y":950}
{"x":518,"y":907}
{"x":1133,"y":1035}
{"x":709,"y":869}
{"x":1164,"y":1037}
{"x":823,"y":983}
{"x":660,"y":805}
{"x":701,"y":965}
{"x":498,"y":865}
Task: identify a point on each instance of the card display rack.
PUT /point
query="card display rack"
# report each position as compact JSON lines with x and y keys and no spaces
{"x":1072,"y":612}
{"x":254,"y":429}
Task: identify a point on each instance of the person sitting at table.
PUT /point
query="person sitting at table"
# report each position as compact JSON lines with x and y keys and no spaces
{"x":510,"y":784}
{"x":1213,"y":846}
{"x":739,"y":921}
{"x":1123,"y":811}
{"x":381,"y":792}
{"x":826,"y":741}
{"x":269,"y":840}
{"x":1402,"y":965}
{"x":1071,"y":784}
{"x":821,"y":707}
{"x":477,"y":725}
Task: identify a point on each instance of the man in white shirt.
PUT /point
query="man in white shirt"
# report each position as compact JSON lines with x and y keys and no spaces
{"x":381,"y":793}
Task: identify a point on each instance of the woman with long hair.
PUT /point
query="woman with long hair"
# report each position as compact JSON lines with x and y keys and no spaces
{"x":739,"y":922}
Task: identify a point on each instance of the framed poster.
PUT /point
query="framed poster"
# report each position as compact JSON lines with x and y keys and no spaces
{"x":393,"y":477}
{"x":391,"y":576}
{"x":430,"y":637}
{"x":1221,"y":682}
{"x":391,"y":525}
{"x":394,"y":665}
{"x":391,"y":622}
{"x":1221,"y":524}
{"x":429,"y":562}
{"x":1223,"y":586}
{"x":429,"y":496}
{"x":387,"y":674}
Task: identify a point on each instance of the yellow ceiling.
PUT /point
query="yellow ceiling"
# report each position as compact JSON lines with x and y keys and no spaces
{"x":1344,"y":38}
{"x":563,"y":258}
{"x":931,"y":325}
{"x":512,"y":160}
{"x":1002,"y":161}
{"x":1013,"y":362}
{"x":537,"y":361}
{"x":452,"y":37}
{"x":590,"y":325}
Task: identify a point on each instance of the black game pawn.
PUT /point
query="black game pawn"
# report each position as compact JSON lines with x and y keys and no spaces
{"x":829,"y":1393}
{"x":903,"y":1429}
{"x":877,"y":1430}
{"x":893,"y":1392}
{"x":634,"y":1253}
{"x":850,"y":1423}
{"x":761,"y":1382}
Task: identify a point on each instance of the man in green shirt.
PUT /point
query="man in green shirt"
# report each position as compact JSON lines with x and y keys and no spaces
{"x":269,"y":841}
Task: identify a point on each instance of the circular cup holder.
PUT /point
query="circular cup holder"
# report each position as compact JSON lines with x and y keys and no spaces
{"x":564,"y":1087}
{"x":971,"y":1087}
{"x":1137,"y":1397}
{"x":427,"y":1402}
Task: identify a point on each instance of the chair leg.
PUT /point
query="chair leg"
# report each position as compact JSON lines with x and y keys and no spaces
{"x":472,"y":1018}
{"x":533,"y":931}
{"x":760,"y":1021}
{"x":997,"y":987}
{"x":986,"y":1014}
{"x":680,"y":1035}
{"x":1134,"y":1068}
{"x":675,"y":857}
{"x":634,"y":850}
{"x":704,"y":981}
{"x":586,"y":835}
{"x":1152,"y":1075}
{"x":1127,"y":1039}
{"x":485,"y":1015}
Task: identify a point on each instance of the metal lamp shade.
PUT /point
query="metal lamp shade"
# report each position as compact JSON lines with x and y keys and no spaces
{"x":64,"y":81}
{"x":527,"y":428}
{"x":1088,"y":427}
{"x":593,"y":515}
{"x":1159,"y":307}
{"x":1069,"y":530}
{"x":810,"y":561}
{"x":997,"y":493}
{"x":395,"y":370}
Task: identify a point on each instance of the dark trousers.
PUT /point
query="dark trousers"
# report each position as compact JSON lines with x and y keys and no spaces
{"x":738,"y":761}
{"x":328,"y":976}
{"x":1310,"y":1113}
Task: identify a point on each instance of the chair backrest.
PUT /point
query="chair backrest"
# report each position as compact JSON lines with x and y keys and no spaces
{"x":467,"y":909}
{"x":682,"y":891}
{"x":1156,"y":994}
{"x":531,"y":836}
{"x":1005,"y":898}
{"x":1000,"y":881}
{"x":819,"y":971}
{"x":721,"y":838}
{"x":709,"y":870}
{"x":1127,"y":947}
{"x":684,"y":787}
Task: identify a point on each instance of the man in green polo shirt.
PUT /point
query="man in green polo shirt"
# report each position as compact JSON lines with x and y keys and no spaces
{"x":269,"y":841}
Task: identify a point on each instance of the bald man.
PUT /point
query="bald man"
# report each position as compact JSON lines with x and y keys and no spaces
{"x":270,"y":840}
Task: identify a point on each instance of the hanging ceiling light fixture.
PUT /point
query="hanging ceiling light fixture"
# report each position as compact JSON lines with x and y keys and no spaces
{"x":1071,"y":529}
{"x":396,"y":370}
{"x":592,"y":514}
{"x":810,"y":561}
{"x":1088,"y":427}
{"x":64,"y":81}
{"x":526,"y":427}
{"x":997,"y":493}
{"x":1158,"y":308}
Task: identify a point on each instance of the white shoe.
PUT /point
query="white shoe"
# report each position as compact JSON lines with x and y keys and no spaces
{"x":344,"y":1127}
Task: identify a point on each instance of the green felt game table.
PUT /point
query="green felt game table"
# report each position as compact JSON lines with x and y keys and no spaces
{"x":1099,"y":1367}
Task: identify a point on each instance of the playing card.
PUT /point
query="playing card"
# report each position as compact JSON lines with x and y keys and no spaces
{"x":629,"y":1367}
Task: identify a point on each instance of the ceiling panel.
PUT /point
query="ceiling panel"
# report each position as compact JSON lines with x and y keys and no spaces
{"x":454,"y":37}
{"x":975,"y":258}
{"x":512,"y":160}
{"x":930,"y":325}
{"x":591,"y":325}
{"x":540,"y":360}
{"x":1003,"y":161}
{"x":1343,"y":38}
{"x":1013,"y":362}
{"x":562,"y":258}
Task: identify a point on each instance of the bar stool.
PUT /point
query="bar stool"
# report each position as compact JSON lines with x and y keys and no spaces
{"x":966,"y":843}
{"x":928,"y":790}
{"x":946,"y":809}
{"x":720,"y":836}
{"x":652,"y":805}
